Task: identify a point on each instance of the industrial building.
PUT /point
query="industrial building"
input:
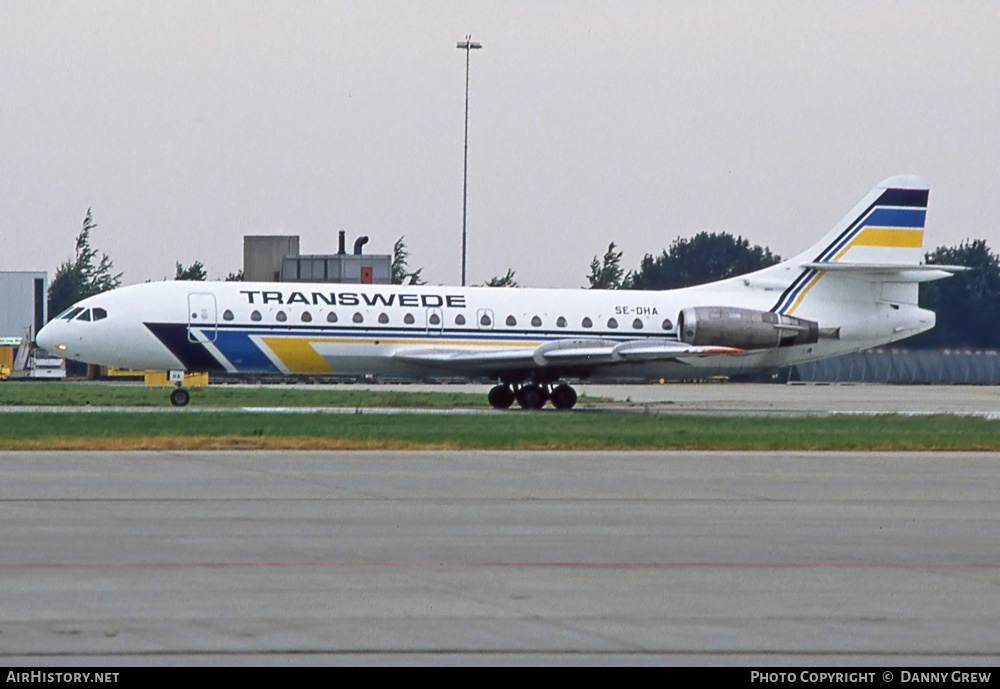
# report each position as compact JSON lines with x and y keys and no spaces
{"x":276,"y":258}
{"x":23,"y":303}
{"x":23,"y":307}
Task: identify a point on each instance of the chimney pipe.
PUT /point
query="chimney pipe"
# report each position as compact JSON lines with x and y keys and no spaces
{"x":358,"y":243}
{"x":342,"y":250}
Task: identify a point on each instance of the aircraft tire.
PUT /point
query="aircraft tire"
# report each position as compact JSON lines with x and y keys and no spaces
{"x":563,"y":397}
{"x":180,"y":397}
{"x":501,"y":397}
{"x":531,"y":397}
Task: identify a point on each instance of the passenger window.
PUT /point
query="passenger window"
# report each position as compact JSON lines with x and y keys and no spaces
{"x":306,"y":317}
{"x":281,"y":317}
{"x":667,"y":325}
{"x":587,"y":323}
{"x":434,"y":319}
{"x":227,"y":315}
{"x":561,"y":322}
{"x":408,"y":319}
{"x":637,"y":324}
{"x":383,"y":318}
{"x":612,"y":323}
{"x":255,"y":316}
{"x":85,"y":316}
{"x":357,"y":317}
{"x":100,"y":314}
{"x":459,"y":319}
{"x":485,"y":321}
{"x":331,"y":317}
{"x":511,"y":320}
{"x":536,"y":322}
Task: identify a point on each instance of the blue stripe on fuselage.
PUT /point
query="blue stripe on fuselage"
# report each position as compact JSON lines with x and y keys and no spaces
{"x":242,"y":353}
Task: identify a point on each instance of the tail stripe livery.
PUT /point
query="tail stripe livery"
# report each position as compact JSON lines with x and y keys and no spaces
{"x":895,"y":220}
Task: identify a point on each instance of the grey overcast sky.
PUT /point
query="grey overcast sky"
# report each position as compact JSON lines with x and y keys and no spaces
{"x":185,"y":125}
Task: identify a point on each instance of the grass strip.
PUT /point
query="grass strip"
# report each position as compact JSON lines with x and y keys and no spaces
{"x":502,"y":431}
{"x":110,"y":395}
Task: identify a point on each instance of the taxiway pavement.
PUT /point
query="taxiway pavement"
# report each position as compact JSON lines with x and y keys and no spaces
{"x":702,"y":558}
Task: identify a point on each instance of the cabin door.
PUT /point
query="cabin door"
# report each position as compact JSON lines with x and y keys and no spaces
{"x":203,"y":321}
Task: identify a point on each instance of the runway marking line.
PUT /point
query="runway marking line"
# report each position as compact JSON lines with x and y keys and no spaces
{"x":509,"y":565}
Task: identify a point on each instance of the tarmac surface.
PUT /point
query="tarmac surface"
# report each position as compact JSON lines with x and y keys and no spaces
{"x":728,"y":399}
{"x":499,"y":558}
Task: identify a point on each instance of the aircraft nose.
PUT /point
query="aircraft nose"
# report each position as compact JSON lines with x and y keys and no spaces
{"x":46,"y":339}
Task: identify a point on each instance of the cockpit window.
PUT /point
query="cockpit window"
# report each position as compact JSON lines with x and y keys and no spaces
{"x":70,"y":314}
{"x":85,"y":316}
{"x":100,"y":314}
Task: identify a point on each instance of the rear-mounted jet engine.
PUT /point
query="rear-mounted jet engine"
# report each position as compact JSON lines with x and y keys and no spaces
{"x":727,"y":326}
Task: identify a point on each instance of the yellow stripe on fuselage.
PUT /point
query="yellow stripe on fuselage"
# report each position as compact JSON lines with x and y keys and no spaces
{"x":903,"y":238}
{"x":297,"y":354}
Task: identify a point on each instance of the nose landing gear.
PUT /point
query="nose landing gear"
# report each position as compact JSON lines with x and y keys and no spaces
{"x":179,"y":397}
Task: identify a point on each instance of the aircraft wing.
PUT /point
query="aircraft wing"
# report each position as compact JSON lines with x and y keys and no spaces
{"x":574,"y":353}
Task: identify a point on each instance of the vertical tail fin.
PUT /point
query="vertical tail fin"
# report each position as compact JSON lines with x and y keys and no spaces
{"x":884,"y":230}
{"x":886,"y":227}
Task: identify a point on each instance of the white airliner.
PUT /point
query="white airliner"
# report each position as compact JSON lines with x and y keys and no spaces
{"x":856,"y":288}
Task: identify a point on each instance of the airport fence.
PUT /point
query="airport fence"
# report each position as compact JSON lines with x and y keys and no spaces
{"x":902,"y":366}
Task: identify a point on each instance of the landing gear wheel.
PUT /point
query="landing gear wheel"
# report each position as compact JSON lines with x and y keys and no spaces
{"x":501,"y":397}
{"x":531,"y":397}
{"x":563,"y":397}
{"x":180,"y":397}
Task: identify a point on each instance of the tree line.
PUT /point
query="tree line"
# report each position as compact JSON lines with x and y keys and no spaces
{"x":967,"y":304}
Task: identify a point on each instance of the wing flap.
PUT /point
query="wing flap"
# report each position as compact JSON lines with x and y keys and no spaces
{"x":464,"y":358}
{"x":578,"y":353}
{"x":666,"y":350}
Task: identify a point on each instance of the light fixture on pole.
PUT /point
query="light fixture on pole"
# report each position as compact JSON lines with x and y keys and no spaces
{"x":468,"y":45}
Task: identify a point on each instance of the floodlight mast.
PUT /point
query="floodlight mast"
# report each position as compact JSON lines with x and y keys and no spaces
{"x":468,"y":45}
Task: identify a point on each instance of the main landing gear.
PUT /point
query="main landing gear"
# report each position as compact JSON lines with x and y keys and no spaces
{"x":532,"y":396}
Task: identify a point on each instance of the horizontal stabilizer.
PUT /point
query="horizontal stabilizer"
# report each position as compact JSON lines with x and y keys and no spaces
{"x":889,"y":272}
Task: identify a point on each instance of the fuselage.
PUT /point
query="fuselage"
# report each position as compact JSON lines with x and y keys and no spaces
{"x":298,"y":328}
